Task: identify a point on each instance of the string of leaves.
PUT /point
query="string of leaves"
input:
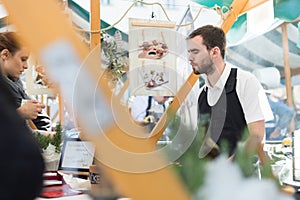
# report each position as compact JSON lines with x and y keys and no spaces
{"x":114,"y":55}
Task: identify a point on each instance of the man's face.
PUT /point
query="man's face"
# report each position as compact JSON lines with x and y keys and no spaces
{"x":199,"y":56}
{"x":15,"y":65}
{"x":161,"y":99}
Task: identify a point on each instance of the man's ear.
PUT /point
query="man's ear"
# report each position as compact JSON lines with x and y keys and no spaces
{"x":215,"y":51}
{"x":4,"y":54}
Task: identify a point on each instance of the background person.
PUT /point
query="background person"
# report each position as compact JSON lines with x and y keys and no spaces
{"x":13,"y":62}
{"x":143,"y":106}
{"x":279,"y":127}
{"x":147,"y":110}
{"x":231,"y":100}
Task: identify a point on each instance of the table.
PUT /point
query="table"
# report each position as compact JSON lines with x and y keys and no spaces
{"x":75,"y":197}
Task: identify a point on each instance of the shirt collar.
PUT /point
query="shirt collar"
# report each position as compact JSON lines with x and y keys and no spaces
{"x":222,"y":80}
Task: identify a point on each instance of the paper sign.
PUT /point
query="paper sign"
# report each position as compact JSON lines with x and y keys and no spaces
{"x":77,"y":155}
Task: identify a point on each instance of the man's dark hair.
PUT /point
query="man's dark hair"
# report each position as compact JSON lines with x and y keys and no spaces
{"x":212,"y":37}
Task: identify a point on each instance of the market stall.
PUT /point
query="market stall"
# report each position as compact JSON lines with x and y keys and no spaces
{"x":63,"y":54}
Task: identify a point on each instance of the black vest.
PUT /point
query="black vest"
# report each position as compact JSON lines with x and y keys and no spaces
{"x":225,"y":120}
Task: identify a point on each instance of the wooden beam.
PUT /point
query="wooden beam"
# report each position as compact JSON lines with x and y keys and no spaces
{"x":252,"y":4}
{"x":287,"y":68}
{"x":237,"y":7}
{"x":297,"y":19}
{"x":95,"y":23}
{"x":294,"y":71}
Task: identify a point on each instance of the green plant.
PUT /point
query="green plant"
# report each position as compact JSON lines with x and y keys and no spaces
{"x":56,"y":140}
{"x":42,"y":140}
{"x":193,"y":170}
{"x":58,"y":137}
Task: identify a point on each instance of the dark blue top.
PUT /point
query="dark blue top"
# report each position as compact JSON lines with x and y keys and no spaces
{"x":282,"y":118}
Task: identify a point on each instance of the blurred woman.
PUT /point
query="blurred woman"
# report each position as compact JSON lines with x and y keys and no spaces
{"x":13,"y":63}
{"x":22,"y":164}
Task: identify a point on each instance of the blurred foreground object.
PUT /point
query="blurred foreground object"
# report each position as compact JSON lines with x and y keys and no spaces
{"x":20,"y":155}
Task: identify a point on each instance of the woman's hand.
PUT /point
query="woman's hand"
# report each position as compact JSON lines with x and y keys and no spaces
{"x":30,"y":109}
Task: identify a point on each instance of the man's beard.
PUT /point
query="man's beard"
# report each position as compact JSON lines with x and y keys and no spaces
{"x":196,"y":72}
{"x":205,"y":69}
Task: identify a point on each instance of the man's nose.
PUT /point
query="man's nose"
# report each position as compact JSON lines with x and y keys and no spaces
{"x":190,"y":57}
{"x":25,"y":66}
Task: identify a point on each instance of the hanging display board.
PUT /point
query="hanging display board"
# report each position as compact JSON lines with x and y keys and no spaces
{"x":152,"y":58}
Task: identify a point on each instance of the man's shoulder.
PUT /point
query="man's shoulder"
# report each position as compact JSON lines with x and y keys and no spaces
{"x":242,"y":72}
{"x":245,"y":76}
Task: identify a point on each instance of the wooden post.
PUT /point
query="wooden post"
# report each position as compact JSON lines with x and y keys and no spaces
{"x":287,"y":70}
{"x":61,"y":109}
{"x":287,"y":67}
{"x":95,"y":23}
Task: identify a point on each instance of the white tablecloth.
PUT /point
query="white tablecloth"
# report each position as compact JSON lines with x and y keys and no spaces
{"x":75,"y":197}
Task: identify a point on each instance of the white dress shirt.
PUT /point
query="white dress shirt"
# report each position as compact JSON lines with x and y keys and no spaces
{"x":250,"y":93}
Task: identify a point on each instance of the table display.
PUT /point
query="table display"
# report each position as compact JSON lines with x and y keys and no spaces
{"x":285,"y":159}
{"x":296,"y":155}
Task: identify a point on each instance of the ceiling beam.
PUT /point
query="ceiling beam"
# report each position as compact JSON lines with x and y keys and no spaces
{"x":235,"y":11}
{"x":294,"y":71}
{"x":297,"y":19}
{"x":252,"y":4}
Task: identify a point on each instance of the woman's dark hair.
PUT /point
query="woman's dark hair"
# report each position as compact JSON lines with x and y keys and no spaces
{"x":10,"y":41}
{"x":212,"y":37}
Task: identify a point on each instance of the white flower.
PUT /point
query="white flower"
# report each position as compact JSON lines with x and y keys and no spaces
{"x":224,"y":181}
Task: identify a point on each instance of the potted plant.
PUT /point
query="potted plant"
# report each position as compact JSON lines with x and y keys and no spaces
{"x":50,"y":145}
